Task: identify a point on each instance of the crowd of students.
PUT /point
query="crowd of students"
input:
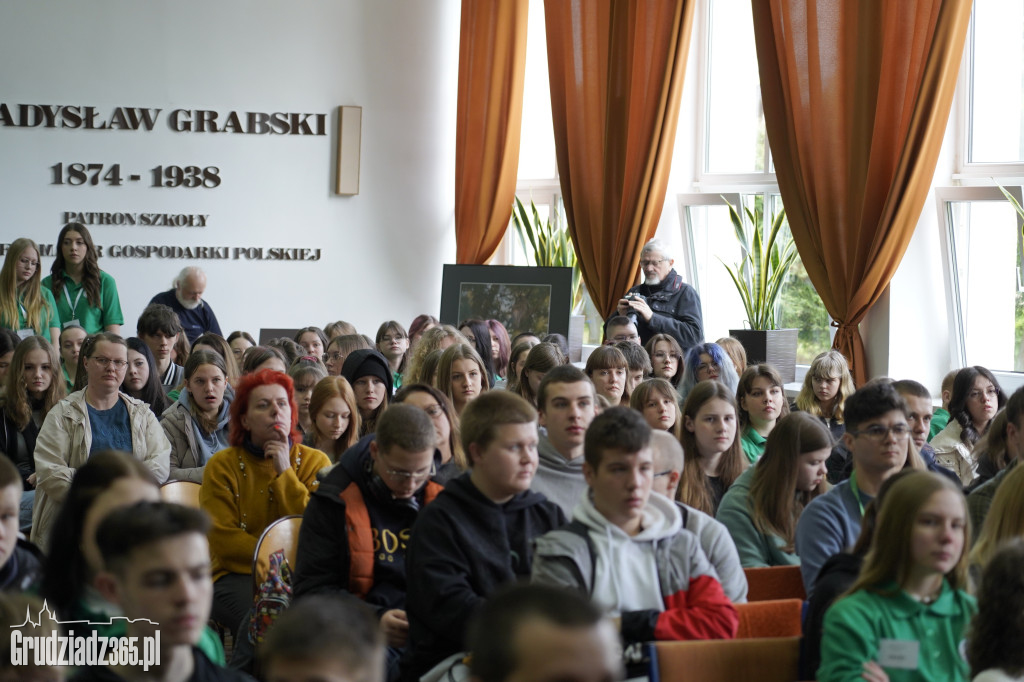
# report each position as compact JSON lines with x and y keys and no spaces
{"x":437,"y":467}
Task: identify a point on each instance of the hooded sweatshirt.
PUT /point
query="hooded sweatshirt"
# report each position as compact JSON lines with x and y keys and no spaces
{"x":191,"y":447}
{"x":463,"y":547}
{"x":659,"y":581}
{"x":557,"y":478}
{"x":625,"y":572}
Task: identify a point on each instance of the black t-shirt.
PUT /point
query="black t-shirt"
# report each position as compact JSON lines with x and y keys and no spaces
{"x":203,"y":670}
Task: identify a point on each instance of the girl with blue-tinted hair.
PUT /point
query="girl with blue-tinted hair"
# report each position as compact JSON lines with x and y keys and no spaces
{"x":707,"y":361}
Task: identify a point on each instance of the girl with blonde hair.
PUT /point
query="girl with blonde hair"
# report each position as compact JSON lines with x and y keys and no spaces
{"x":461,"y":375}
{"x":826,"y":387}
{"x":25,"y":306}
{"x":906,"y":615}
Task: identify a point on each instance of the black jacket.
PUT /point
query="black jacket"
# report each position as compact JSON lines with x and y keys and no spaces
{"x":836,"y":576}
{"x":23,"y":570}
{"x":323,"y":560}
{"x":463,"y":548}
{"x":676,"y":307}
{"x":19,"y":450}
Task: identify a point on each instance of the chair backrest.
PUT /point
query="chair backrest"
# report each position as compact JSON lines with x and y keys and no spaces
{"x":281,"y":534}
{"x":185,"y":493}
{"x":775,"y":582}
{"x":773,"y":618}
{"x":774,"y":659}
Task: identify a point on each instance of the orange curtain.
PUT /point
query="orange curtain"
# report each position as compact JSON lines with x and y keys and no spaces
{"x":856,"y":98}
{"x":492,"y":62}
{"x":616,"y":69}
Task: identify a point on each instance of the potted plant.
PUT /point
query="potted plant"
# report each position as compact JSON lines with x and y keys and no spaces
{"x":547,"y":243}
{"x":766,"y":256}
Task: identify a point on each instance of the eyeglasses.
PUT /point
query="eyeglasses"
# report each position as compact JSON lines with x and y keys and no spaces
{"x":106,"y":362}
{"x":333,"y":356}
{"x":653,"y":263}
{"x":411,"y":475}
{"x":626,"y":337}
{"x":662,"y":473}
{"x":879,"y":433}
{"x":705,"y":367}
{"x":989,"y":392}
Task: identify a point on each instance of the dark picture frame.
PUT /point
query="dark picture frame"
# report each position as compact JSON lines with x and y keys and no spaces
{"x":516,"y":296}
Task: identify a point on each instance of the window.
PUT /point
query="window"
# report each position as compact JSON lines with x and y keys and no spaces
{"x":996,"y":72}
{"x":709,"y":240}
{"x":985,"y":287}
{"x":734,"y":140}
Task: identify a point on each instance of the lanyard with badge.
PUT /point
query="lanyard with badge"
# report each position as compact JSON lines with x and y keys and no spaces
{"x":28,"y":331}
{"x":73,"y":322}
{"x":856,"y":492}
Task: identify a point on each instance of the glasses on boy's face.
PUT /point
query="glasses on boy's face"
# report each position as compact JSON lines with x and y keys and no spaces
{"x":626,"y":337}
{"x":877,"y":432}
{"x":415,"y":476}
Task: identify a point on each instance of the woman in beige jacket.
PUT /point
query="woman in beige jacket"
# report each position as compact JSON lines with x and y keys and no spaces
{"x":99,"y":417}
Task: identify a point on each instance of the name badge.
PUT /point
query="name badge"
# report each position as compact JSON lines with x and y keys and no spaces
{"x":25,"y":333}
{"x":71,"y":323}
{"x":900,"y":654}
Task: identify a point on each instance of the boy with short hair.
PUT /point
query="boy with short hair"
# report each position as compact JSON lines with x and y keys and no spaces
{"x":158,"y":328}
{"x":20,"y":561}
{"x":620,"y":328}
{"x":639,"y":366}
{"x":566,"y":404}
{"x":627,"y":548}
{"x":540,"y":634}
{"x":714,"y":537}
{"x":878,"y":438}
{"x":919,"y":418}
{"x":157,"y":570}
{"x":326,"y":637}
{"x":354,"y":529}
{"x":476,"y":535}
{"x":940,"y":419}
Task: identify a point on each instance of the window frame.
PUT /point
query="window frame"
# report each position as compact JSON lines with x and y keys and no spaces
{"x":706,"y":180}
{"x":965,"y":168}
{"x":951,"y":278}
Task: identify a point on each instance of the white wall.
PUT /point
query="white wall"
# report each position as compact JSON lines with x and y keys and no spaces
{"x":382,"y":250}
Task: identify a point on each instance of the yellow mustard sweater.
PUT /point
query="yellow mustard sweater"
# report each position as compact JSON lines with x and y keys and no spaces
{"x":243,"y":495}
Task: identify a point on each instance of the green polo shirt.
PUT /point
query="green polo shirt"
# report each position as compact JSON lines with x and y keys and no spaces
{"x":47,"y":316}
{"x":940,"y":419}
{"x":752,"y":444}
{"x":867,"y":626}
{"x":91,"y":319}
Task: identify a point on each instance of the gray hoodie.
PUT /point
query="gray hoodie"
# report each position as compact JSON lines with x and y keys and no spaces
{"x":557,"y":478}
{"x":626,"y":571}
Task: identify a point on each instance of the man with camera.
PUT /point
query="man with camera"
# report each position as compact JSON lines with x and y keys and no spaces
{"x":663,"y":304}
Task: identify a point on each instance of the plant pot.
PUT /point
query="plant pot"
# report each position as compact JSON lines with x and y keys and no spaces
{"x":777,"y":347}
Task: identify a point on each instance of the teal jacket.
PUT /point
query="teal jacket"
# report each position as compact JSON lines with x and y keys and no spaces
{"x":756,"y":549}
{"x":868,"y":626}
